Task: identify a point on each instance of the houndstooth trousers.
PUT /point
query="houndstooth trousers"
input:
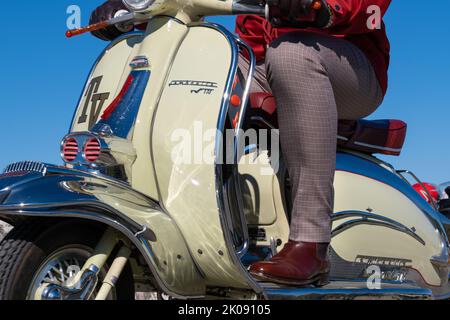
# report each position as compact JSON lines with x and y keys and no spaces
{"x":316,"y":80}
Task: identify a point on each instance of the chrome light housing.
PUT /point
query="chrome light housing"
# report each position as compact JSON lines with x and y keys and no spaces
{"x":90,"y":152}
{"x":138,"y":5}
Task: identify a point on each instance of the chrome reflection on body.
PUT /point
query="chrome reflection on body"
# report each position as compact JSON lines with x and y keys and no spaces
{"x":124,"y":114}
{"x":366,"y":218}
{"x":68,"y":193}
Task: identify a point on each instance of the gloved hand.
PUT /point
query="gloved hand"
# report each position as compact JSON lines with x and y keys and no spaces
{"x":108,"y":10}
{"x":299,"y":13}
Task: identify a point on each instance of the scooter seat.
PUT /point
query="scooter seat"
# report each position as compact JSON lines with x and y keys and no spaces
{"x":367,"y":136}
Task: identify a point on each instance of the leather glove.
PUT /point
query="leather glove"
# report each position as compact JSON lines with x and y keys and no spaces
{"x":108,"y":10}
{"x":299,"y":13}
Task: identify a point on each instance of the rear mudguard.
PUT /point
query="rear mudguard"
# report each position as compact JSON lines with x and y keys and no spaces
{"x":38,"y":190}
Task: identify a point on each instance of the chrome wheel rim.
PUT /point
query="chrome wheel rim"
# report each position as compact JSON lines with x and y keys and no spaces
{"x":59,"y":267}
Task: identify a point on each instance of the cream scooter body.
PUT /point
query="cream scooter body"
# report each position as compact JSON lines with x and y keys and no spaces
{"x":195,"y":54}
{"x":176,"y":52}
{"x":193,"y":220}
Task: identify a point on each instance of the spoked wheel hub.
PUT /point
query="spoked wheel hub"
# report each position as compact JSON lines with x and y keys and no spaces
{"x":60,"y":270}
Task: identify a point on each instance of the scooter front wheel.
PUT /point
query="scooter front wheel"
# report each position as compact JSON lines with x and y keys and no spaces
{"x":37,"y":253}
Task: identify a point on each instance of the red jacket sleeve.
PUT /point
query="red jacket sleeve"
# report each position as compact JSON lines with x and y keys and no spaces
{"x":352,"y":16}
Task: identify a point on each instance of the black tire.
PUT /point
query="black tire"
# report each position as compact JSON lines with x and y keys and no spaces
{"x":28,"y":245}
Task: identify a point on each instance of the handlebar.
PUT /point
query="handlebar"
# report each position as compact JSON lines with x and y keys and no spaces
{"x":257,"y":7}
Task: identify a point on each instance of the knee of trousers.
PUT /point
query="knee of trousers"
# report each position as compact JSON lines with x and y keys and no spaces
{"x":292,"y":54}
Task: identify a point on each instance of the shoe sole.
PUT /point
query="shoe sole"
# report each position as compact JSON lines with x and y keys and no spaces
{"x":318,"y":281}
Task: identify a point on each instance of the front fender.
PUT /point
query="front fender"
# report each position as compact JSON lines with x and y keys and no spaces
{"x":51,"y":191}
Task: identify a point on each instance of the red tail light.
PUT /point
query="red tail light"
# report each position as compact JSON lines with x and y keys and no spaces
{"x":70,"y":150}
{"x":91,"y":150}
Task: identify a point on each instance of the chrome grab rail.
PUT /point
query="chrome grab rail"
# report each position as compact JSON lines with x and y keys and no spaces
{"x":402,"y":174}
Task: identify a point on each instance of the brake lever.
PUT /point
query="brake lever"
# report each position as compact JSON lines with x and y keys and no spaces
{"x":126,"y":18}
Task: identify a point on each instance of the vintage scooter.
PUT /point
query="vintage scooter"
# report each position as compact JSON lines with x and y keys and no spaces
{"x":126,"y":214}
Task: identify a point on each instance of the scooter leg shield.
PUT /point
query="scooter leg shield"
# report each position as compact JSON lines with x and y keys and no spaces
{"x":62,"y":193}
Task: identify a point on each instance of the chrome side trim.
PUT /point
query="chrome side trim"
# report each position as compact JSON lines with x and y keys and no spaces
{"x":377,"y":147}
{"x":370,"y":145}
{"x":246,"y":93}
{"x":370,"y":219}
{"x":237,"y":144}
{"x":221,"y":191}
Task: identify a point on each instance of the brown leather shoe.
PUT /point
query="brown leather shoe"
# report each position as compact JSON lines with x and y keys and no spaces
{"x":299,"y":263}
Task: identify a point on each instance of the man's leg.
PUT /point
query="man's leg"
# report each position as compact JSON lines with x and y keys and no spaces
{"x":316,"y":80}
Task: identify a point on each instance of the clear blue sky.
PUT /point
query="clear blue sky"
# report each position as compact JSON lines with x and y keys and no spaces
{"x":42,"y":75}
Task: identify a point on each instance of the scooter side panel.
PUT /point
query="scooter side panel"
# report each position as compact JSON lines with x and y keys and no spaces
{"x":183,"y":143}
{"x":105,"y":80}
{"x":162,"y":41}
{"x":406,"y":239}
